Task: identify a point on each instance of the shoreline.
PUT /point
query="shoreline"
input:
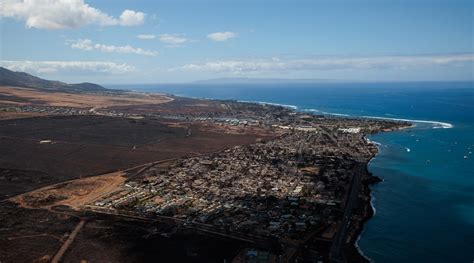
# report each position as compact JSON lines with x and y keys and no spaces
{"x":355,"y":204}
{"x":362,"y":211}
{"x":367,"y":207}
{"x":372,"y":210}
{"x":369,"y":212}
{"x":365,"y":210}
{"x":436,"y":124}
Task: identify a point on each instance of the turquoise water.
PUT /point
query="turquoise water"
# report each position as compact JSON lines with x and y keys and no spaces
{"x":425,"y":205}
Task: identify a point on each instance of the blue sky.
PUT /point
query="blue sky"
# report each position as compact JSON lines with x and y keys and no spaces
{"x":118,"y":41}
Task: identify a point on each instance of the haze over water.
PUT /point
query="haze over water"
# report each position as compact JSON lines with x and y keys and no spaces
{"x":425,"y":206}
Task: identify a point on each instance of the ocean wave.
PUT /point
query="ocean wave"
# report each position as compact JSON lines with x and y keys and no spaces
{"x":372,"y":201}
{"x":356,"y":244}
{"x":373,"y":142}
{"x":436,"y":124}
{"x":360,"y":250}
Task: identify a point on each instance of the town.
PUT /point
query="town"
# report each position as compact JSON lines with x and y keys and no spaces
{"x":291,"y":185}
{"x":293,"y":188}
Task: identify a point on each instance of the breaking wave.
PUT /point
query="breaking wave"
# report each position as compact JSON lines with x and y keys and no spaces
{"x":436,"y":124}
{"x":360,"y":250}
{"x":373,"y":142}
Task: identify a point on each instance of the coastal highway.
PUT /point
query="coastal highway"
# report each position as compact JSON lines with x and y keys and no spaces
{"x":336,"y":253}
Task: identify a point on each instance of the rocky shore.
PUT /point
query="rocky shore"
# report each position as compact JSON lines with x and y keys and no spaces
{"x":365,"y":209}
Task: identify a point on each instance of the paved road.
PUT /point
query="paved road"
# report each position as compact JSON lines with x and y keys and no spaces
{"x":336,"y":253}
{"x":65,"y":246}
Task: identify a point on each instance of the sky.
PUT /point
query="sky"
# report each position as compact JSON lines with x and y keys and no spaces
{"x":176,"y":41}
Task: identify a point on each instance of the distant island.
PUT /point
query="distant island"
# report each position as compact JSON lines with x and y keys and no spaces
{"x":101,"y":175}
{"x":263,"y":81}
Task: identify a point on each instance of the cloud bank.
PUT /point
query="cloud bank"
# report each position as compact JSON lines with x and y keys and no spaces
{"x":51,"y":67}
{"x":221,"y":36}
{"x":239,"y":66}
{"x":87,"y":44}
{"x":61,"y":14}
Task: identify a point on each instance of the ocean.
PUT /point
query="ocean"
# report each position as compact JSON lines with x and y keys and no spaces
{"x":425,"y":204}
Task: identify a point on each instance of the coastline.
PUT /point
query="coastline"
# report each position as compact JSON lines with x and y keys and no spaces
{"x":383,"y":223}
{"x":375,"y":196}
{"x":355,"y":254}
{"x":364,"y":210}
{"x":367,"y":209}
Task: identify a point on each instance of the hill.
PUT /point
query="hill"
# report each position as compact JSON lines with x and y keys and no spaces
{"x":22,"y":79}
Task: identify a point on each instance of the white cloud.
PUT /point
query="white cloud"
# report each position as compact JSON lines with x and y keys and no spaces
{"x":328,"y":63}
{"x":146,"y":37}
{"x":87,"y":44}
{"x":84,"y":44}
{"x":173,"y":40}
{"x":51,"y":67}
{"x":125,"y":49}
{"x":221,"y":36}
{"x":131,"y":18}
{"x":60,"y":14}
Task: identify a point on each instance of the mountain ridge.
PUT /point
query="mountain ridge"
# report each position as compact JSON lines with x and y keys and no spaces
{"x":25,"y":80}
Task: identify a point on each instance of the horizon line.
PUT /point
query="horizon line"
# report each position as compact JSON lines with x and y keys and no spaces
{"x":287,"y":81}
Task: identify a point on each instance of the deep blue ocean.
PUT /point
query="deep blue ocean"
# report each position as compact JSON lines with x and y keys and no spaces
{"x":425,"y":204}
